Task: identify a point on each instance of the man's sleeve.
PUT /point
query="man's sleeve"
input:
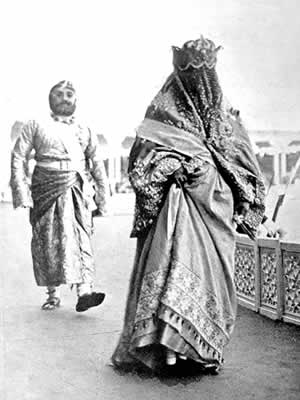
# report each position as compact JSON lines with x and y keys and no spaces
{"x":93,"y":153}
{"x":19,"y":181}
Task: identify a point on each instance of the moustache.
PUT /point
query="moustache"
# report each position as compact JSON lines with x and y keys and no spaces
{"x":65,"y":103}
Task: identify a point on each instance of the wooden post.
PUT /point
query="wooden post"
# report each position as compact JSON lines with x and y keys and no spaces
{"x":276,"y":178}
{"x":283,"y":166}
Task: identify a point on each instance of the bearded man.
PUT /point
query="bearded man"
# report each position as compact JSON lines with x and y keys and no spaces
{"x":61,"y":198}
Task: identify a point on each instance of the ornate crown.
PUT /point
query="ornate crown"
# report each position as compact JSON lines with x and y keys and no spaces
{"x":195,"y":54}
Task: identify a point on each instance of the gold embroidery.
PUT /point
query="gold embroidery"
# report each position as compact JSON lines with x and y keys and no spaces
{"x":150,"y":182}
{"x":181,"y":291}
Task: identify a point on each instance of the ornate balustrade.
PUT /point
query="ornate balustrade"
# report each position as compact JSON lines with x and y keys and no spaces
{"x":267,"y":277}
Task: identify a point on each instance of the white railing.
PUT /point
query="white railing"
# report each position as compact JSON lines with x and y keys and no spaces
{"x":267,"y":277}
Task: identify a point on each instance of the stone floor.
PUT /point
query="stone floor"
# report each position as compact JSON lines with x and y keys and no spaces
{"x":64,"y":355}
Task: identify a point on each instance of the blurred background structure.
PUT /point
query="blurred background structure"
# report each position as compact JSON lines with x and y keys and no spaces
{"x":277,"y":153}
{"x":118,"y":55}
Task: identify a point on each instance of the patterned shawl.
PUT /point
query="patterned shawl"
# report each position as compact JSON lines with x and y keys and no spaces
{"x":191,"y":100}
{"x":47,"y":186}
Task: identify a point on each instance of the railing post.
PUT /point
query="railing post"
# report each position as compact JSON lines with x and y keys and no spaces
{"x":280,"y":281}
{"x":290,"y":260}
{"x":267,"y":277}
{"x":257,"y":276}
{"x":245,"y":271}
{"x":267,"y":281}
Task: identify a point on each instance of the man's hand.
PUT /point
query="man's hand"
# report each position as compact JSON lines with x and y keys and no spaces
{"x":25,"y":205}
{"x":103,"y":212}
{"x":98,"y":213}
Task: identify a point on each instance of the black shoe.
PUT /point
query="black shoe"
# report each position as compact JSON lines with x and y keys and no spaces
{"x":89,"y":300}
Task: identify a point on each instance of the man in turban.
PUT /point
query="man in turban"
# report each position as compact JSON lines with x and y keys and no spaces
{"x":60,"y":197}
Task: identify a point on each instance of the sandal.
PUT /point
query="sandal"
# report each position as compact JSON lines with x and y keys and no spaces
{"x":51,"y":303}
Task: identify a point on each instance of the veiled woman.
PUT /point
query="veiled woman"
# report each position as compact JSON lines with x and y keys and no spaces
{"x":195,"y":176}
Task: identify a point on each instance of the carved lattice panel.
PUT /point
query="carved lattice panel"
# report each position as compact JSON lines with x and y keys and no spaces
{"x":268,"y":264}
{"x":244,"y":275}
{"x":291,"y":265}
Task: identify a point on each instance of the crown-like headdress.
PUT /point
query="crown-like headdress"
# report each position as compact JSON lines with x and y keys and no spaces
{"x":195,"y":54}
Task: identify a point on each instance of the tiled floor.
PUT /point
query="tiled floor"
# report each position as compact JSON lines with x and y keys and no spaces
{"x":64,"y":355}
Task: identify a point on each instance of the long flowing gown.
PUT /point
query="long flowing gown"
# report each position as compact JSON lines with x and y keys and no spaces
{"x":60,"y":200}
{"x":181,"y":294}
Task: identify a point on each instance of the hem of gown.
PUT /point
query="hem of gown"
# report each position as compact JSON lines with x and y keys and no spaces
{"x":153,"y":357}
{"x":148,"y":344}
{"x":175,"y":332}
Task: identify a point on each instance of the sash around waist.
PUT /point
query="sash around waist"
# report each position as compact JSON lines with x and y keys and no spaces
{"x":62,"y":165}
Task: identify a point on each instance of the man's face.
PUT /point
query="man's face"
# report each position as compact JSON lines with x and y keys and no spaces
{"x":62,"y":101}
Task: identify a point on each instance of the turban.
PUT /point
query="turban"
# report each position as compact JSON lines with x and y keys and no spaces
{"x":62,"y":85}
